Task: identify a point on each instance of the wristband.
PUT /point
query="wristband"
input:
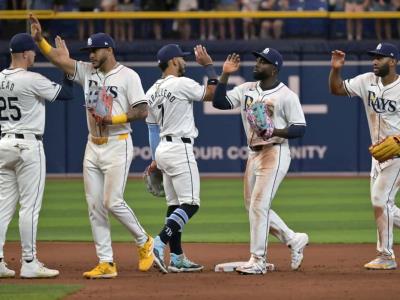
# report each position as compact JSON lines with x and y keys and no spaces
{"x":119,"y":119}
{"x":44,"y":46}
{"x":212,"y":81}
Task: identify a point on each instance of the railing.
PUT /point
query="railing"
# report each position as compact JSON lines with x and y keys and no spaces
{"x":52,"y":15}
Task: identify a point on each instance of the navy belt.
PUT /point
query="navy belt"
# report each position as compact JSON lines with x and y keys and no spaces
{"x":168,"y":138}
{"x":260,"y":147}
{"x":21,"y":136}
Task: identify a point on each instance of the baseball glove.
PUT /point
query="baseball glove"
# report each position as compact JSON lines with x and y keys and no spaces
{"x":386,"y":149}
{"x":153,"y":180}
{"x":99,"y":103}
{"x":259,"y":120}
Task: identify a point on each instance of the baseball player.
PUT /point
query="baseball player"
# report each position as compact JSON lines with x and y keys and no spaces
{"x":269,"y":159}
{"x":22,"y":160}
{"x":109,"y":150}
{"x":380,"y":93}
{"x":171,"y":133}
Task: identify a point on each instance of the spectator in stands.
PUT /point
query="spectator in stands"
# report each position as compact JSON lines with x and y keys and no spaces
{"x":155,"y":5}
{"x":227,"y":5}
{"x":109,"y":5}
{"x":3,"y":4}
{"x":272,"y":27}
{"x":396,"y":4}
{"x":249,"y":30}
{"x":382,"y":5}
{"x":125,"y":27}
{"x":184,"y":26}
{"x":207,"y":25}
{"x":355,"y":6}
{"x":86,"y":5}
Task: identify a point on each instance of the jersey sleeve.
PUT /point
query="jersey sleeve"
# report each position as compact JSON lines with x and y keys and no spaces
{"x":135,"y":92}
{"x":293,"y":110}
{"x":190,"y":89}
{"x":234,"y":95}
{"x":82,"y":69}
{"x":354,"y":86}
{"x":44,"y":87}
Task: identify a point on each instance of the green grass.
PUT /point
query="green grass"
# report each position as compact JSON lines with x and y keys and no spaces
{"x":330,"y":210}
{"x":36,"y":292}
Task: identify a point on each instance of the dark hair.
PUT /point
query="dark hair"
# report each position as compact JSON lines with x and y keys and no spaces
{"x":163,"y":66}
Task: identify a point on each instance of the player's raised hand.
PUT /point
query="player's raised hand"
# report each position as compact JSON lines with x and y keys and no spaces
{"x":36,"y":28}
{"x":337,"y":60}
{"x":231,"y":64}
{"x":202,"y":57}
{"x":61,"y":47}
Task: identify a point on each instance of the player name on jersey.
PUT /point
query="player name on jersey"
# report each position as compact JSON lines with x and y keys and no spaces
{"x":6,"y":85}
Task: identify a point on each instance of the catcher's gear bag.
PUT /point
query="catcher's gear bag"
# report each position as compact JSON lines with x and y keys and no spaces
{"x":259,"y":120}
{"x":386,"y":149}
{"x":154,"y":182}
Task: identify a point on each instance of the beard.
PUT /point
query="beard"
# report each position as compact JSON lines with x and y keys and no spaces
{"x":181,"y":71}
{"x":382,"y":71}
{"x":259,"y":75}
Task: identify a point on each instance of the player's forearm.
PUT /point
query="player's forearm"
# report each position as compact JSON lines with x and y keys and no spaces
{"x":224,"y":78}
{"x":220,"y":100}
{"x":138,"y":112}
{"x":291,"y":132}
{"x":336,"y":82}
{"x":63,"y":62}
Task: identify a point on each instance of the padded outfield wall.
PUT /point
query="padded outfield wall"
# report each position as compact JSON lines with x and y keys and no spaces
{"x":336,"y":139}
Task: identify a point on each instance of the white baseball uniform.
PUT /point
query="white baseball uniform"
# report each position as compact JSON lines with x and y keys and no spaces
{"x":22,"y":160}
{"x":266,"y":166}
{"x":170,"y":102}
{"x":382,"y":107}
{"x":109,"y":153}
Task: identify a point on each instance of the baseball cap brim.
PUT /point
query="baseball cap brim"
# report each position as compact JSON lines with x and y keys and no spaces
{"x":88,"y":48}
{"x":374,"y":52}
{"x":258,"y":54}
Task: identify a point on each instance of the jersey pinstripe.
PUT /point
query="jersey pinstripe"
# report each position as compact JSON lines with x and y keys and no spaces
{"x":22,"y":100}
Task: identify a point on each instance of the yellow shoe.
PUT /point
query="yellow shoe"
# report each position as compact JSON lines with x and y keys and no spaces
{"x":102,"y":270}
{"x":146,"y":256}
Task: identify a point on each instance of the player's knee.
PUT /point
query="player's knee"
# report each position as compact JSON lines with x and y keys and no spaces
{"x":378,"y":201}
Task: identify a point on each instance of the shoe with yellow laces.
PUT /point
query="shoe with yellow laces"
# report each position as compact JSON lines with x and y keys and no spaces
{"x":102,"y":270}
{"x":146,"y":256}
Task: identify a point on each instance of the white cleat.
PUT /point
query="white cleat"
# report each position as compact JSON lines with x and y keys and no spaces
{"x":255,"y":266}
{"x":297,"y":245}
{"x":35,"y":269}
{"x":6,"y":272}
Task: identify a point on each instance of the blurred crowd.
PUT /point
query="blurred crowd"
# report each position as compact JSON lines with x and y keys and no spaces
{"x":211,"y":29}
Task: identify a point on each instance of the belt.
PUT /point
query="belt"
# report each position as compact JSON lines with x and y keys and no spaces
{"x":27,"y":136}
{"x":101,"y":140}
{"x":185,"y":140}
{"x":261,"y":147}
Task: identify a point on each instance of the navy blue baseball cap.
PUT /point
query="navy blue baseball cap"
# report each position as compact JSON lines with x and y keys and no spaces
{"x":21,"y":42}
{"x":271,"y":55}
{"x":169,"y":52}
{"x":386,"y":50}
{"x":99,"y":40}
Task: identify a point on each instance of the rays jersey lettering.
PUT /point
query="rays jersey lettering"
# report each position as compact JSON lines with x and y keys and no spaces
{"x":170,"y":102}
{"x":22,"y":100}
{"x":122,"y":83}
{"x":282,"y":103}
{"x":382,"y":103}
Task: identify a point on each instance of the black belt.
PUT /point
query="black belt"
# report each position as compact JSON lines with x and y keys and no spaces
{"x":183,"y":139}
{"x":260,"y":147}
{"x":21,"y":136}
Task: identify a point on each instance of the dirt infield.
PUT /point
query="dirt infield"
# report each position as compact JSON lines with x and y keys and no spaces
{"x":328,"y":272}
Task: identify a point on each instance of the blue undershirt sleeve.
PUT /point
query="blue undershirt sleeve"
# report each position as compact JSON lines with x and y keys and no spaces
{"x":154,"y":138}
{"x":296,"y":131}
{"x":66,"y":92}
{"x":219,"y":100}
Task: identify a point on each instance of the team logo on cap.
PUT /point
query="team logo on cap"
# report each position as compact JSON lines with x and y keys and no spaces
{"x":105,"y":43}
{"x":266,"y":50}
{"x":379,"y":47}
{"x":89,"y":42}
